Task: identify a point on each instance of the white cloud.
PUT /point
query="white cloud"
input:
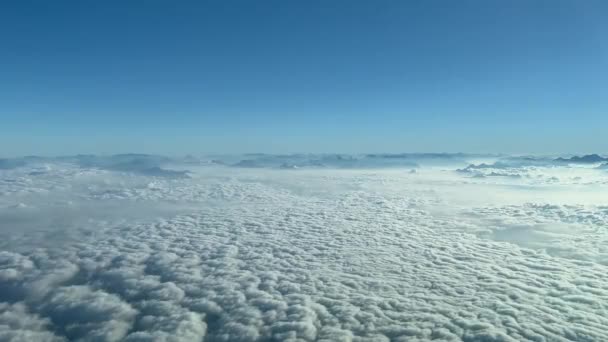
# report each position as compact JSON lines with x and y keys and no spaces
{"x":82,"y":313}
{"x":17,"y":324}
{"x":234,"y":254}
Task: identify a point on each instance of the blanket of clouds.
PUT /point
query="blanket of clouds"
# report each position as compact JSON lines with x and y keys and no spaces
{"x":377,"y":247}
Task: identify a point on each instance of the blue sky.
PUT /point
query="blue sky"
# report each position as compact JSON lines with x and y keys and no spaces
{"x":282,"y":76}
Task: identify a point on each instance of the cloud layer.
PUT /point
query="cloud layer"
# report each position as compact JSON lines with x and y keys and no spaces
{"x":241,"y":254}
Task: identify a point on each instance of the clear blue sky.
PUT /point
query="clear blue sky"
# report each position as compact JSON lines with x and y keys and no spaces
{"x":295,"y":76}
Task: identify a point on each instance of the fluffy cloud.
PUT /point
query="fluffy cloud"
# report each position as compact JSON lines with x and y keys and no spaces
{"x":81,"y":313}
{"x":17,"y":324}
{"x":232,"y":254}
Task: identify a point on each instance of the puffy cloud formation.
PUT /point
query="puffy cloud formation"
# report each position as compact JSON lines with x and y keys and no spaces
{"x":250,"y":254}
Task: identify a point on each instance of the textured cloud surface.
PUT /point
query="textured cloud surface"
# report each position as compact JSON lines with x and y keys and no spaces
{"x":130,"y":248}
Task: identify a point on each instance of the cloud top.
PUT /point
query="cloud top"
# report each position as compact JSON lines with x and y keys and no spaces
{"x":263,"y":254}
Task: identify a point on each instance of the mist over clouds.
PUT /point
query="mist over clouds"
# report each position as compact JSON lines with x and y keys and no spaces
{"x":382,"y":247}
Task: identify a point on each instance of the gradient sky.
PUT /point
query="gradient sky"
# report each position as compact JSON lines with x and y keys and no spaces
{"x":178,"y":77}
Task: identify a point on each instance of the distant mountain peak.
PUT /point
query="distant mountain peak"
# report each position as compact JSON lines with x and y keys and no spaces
{"x":586,"y":159}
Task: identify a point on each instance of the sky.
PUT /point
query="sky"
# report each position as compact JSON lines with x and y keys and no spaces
{"x":177,"y":77}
